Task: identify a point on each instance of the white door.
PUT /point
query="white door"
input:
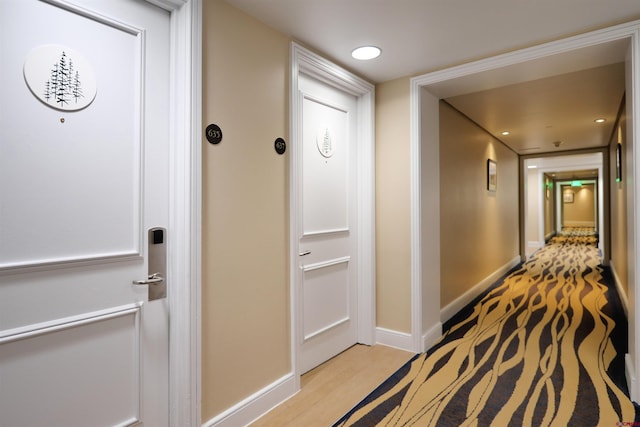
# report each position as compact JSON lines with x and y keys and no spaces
{"x":327,"y":240}
{"x":83,"y":177}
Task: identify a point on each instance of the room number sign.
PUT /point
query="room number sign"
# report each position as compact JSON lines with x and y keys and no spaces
{"x":213,"y":134}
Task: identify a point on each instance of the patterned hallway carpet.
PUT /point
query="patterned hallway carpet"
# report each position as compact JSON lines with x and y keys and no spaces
{"x":543,"y":347}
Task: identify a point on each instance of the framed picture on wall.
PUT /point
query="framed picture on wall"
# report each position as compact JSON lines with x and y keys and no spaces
{"x":492,"y":175}
{"x":567,"y":197}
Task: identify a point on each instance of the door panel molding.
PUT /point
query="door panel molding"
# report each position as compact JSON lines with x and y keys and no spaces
{"x":325,"y":174}
{"x":43,"y":265}
{"x":72,"y":351}
{"x":326,"y":280}
{"x":326,"y":328}
{"x":325,"y":232}
{"x":107,"y":214}
{"x":323,"y":101}
{"x":324,"y":264}
{"x":61,"y":324}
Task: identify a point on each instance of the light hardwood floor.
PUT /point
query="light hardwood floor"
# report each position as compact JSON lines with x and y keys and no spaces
{"x":333,"y":388}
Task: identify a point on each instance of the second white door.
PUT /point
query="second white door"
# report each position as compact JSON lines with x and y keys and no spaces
{"x":327,"y":240}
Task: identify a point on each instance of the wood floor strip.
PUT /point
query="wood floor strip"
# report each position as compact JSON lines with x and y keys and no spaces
{"x":330,"y":390}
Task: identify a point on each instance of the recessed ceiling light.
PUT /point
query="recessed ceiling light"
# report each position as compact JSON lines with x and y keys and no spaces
{"x":532,"y":167}
{"x":505,"y":133}
{"x":600,"y":120}
{"x":365,"y":53}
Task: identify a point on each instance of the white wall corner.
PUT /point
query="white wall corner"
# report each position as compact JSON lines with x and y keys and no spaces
{"x":390,"y":338}
{"x":630,"y":374}
{"x":425,"y":216}
{"x":256,"y":405}
{"x":432,"y":336}
{"x":366,"y":218}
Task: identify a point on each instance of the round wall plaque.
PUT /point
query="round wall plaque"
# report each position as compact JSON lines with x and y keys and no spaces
{"x":325,"y":142}
{"x":214,"y":134}
{"x":280,"y":146}
{"x":60,"y":77}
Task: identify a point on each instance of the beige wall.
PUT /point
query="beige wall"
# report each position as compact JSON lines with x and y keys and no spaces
{"x":245,"y":288}
{"x":580,"y":212}
{"x":479,"y":229}
{"x":393,"y":216}
{"x":618,"y":200}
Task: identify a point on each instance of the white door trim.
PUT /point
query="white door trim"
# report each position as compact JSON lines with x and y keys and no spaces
{"x":303,"y":60}
{"x":185,"y":179}
{"x":425,"y":222}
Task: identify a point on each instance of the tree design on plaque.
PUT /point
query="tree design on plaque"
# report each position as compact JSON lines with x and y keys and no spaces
{"x":60,"y":77}
{"x":325,"y":143}
{"x":64,"y":85}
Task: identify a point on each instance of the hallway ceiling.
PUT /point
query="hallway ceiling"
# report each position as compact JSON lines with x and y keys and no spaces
{"x":559,"y":110}
{"x":420,"y":36}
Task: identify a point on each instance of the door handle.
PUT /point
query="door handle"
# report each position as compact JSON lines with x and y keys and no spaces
{"x":304,"y":253}
{"x":156,"y":264}
{"x":153,"y":279}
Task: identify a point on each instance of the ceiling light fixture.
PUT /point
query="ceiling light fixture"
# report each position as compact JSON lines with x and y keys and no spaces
{"x":505,"y":133}
{"x":364,"y":53}
{"x":600,"y":120}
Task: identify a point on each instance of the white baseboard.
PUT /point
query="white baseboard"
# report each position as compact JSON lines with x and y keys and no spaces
{"x":630,"y":374}
{"x":404,"y":341}
{"x":451,"y":309}
{"x":621,"y":293}
{"x":431,"y":336}
{"x":395,"y":339}
{"x":256,"y":405}
{"x":579,"y":224}
{"x":534,"y":244}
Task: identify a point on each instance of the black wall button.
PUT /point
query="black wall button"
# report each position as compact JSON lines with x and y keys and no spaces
{"x":280,"y":146}
{"x":213,"y":134}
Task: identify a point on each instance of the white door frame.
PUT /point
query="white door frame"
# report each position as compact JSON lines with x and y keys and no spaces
{"x":185,"y":177}
{"x":303,"y":60}
{"x":426,"y":90}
